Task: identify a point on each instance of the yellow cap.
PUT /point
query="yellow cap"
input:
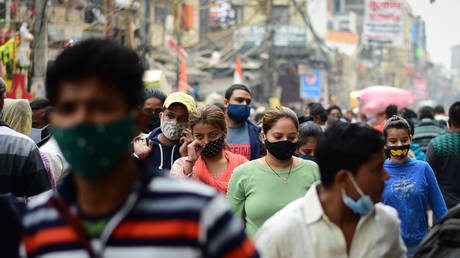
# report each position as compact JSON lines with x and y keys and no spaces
{"x":182,"y":98}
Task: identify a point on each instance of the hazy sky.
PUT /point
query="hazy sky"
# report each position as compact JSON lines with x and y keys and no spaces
{"x":442,"y":26}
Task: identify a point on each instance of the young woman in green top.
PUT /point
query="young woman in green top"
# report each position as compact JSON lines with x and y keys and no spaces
{"x":258,"y":189}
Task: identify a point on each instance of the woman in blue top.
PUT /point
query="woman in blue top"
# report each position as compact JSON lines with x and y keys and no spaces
{"x":412,"y":185}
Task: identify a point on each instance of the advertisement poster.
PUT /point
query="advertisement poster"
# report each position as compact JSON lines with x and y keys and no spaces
{"x":419,"y":88}
{"x":383,"y":23}
{"x":310,"y":85}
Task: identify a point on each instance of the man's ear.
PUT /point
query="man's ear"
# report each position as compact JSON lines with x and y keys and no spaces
{"x":341,"y":178}
{"x":226,"y":103}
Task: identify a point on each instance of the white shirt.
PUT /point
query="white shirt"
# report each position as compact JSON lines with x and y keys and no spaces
{"x":302,"y":229}
{"x":57,"y":161}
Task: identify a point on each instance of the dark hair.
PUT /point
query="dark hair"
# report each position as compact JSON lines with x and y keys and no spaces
{"x":274,"y":114}
{"x":258,"y":117}
{"x":454,"y":114}
{"x":111,"y":63}
{"x":308,"y":129}
{"x":426,"y":112}
{"x":334,"y":121}
{"x":2,"y":87}
{"x":407,"y":113}
{"x":316,"y":109}
{"x":391,"y":110}
{"x":305,"y":118}
{"x":396,"y":122}
{"x":329,"y":110}
{"x":40,"y":103}
{"x":153,"y":93}
{"x":220,"y":105}
{"x":439,"y":109}
{"x":345,"y":147}
{"x":231,"y":89}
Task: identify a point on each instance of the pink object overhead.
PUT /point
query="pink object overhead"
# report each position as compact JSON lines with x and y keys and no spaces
{"x":375,"y":99}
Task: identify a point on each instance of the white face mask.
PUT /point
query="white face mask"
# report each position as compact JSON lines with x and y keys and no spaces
{"x":171,"y":129}
{"x":36,"y":134}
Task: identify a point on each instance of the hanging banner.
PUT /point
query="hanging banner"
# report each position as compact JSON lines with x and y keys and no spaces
{"x":18,"y":90}
{"x":383,"y":23}
{"x":183,"y":75}
{"x":238,"y":73}
{"x":310,"y":85}
{"x":419,"y":88}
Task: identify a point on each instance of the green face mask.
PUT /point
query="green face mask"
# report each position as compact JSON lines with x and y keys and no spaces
{"x":92,"y":150}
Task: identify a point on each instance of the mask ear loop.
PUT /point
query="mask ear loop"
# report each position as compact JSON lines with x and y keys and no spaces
{"x":355,"y":184}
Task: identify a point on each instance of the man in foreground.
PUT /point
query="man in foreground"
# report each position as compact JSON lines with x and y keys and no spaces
{"x":338,"y":217}
{"x":107,"y":206}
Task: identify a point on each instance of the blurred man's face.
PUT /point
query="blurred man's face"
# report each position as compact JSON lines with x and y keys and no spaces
{"x":335,"y":113}
{"x":88,"y":101}
{"x":371,"y":177}
{"x":38,"y":118}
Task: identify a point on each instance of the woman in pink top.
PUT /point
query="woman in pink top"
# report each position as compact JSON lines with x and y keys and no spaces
{"x":208,"y":161}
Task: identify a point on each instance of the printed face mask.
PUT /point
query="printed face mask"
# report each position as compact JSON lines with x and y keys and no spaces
{"x":92,"y":150}
{"x":213,"y":148}
{"x":364,"y":205}
{"x":282,"y":150}
{"x":239,"y":112}
{"x":399,"y":150}
{"x":171,"y":129}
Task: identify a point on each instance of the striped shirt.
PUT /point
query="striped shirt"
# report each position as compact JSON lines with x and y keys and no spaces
{"x":425,"y":131}
{"x":22,"y":172}
{"x":162,"y":217}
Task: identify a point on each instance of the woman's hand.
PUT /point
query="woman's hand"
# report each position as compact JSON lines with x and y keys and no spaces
{"x":185,"y":139}
{"x":194,"y":150}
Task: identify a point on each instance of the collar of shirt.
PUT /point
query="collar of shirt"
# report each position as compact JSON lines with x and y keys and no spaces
{"x":313,"y":211}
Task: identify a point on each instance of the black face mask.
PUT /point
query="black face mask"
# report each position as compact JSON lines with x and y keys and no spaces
{"x":398,"y":150}
{"x":212,"y":148}
{"x":154,"y":122}
{"x":282,"y":150}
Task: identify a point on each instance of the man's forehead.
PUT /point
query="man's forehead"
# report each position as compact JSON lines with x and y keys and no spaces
{"x":177,"y":108}
{"x":88,"y":88}
{"x":241,"y":94}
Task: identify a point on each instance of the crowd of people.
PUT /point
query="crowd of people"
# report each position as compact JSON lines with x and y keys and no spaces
{"x":106,"y":168}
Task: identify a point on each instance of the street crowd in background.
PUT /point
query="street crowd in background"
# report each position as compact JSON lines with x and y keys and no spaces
{"x":106,"y":168}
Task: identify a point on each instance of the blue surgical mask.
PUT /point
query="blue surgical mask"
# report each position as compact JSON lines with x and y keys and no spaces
{"x":36,"y":134}
{"x":363,"y":206}
{"x":306,"y":157}
{"x":239,"y":112}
